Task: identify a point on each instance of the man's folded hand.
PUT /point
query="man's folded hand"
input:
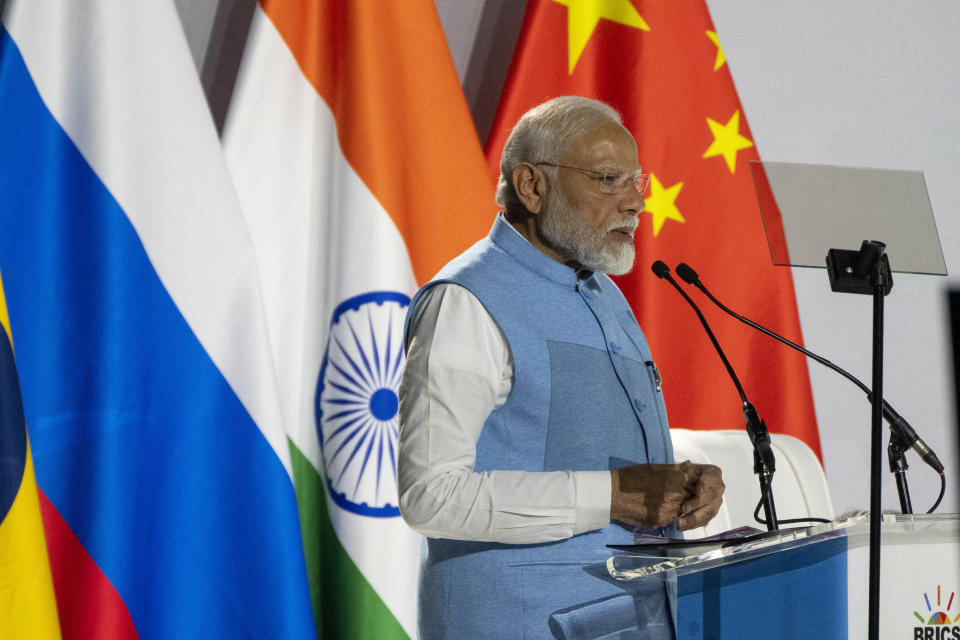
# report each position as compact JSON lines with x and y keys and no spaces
{"x":657,"y":494}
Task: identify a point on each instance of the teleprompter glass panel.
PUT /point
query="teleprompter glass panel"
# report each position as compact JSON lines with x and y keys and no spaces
{"x":808,"y":209}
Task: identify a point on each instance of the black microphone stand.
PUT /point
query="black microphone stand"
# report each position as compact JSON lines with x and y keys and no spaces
{"x":898,"y":467}
{"x":902,"y":435}
{"x":868,"y":271}
{"x":764,"y":463}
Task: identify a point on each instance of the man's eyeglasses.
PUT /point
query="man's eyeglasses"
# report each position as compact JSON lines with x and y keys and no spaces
{"x":610,"y":184}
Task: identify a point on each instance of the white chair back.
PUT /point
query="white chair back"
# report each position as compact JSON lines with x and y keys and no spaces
{"x":799,"y":483}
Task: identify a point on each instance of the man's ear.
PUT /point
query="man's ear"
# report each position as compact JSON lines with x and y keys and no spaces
{"x":530,"y":185}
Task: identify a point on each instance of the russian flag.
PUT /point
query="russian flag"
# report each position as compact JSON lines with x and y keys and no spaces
{"x":145,"y":369}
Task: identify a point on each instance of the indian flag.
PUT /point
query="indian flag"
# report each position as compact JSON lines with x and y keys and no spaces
{"x":359,"y":174}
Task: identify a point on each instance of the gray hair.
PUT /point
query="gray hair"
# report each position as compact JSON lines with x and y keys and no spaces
{"x":544,"y":132}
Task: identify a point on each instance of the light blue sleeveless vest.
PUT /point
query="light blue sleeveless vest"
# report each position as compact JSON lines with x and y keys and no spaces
{"x":585,"y":397}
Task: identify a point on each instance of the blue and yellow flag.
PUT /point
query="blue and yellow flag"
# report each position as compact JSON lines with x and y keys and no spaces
{"x":27,"y":605}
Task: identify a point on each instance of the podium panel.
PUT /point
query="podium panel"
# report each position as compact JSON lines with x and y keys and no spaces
{"x":919,"y":580}
{"x":797,"y":593}
{"x":812,"y":582}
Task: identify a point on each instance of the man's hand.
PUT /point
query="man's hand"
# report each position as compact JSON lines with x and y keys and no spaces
{"x":655,"y":494}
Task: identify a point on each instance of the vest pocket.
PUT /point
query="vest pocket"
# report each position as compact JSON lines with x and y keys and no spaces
{"x":656,"y":385}
{"x":482,"y":600}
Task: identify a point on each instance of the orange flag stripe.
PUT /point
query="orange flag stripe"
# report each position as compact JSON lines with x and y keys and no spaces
{"x":404,"y":128}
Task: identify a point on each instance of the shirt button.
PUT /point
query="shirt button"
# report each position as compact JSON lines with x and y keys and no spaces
{"x":654,"y":460}
{"x":614,"y":347}
{"x":638,"y":405}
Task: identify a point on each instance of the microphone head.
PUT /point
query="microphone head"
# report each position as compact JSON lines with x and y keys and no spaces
{"x":686,"y":272}
{"x":660,"y":269}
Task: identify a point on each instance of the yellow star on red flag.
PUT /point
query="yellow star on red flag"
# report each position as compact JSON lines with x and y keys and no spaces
{"x":727,"y":140}
{"x":583,"y":16}
{"x":661,"y":204}
{"x":721,"y":59}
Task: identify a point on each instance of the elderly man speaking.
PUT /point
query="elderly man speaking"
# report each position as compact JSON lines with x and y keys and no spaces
{"x":533,"y":431}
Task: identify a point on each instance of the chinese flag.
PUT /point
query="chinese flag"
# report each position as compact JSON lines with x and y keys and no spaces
{"x":661,"y":65}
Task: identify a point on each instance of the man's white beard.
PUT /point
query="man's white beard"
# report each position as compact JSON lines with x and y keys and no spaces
{"x":566,"y":232}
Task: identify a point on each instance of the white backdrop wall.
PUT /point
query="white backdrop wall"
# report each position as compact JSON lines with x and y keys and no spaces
{"x":870,"y":84}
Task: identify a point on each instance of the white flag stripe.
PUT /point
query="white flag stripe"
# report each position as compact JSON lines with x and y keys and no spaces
{"x":146,"y":132}
{"x":315,"y":225}
{"x":321,"y":237}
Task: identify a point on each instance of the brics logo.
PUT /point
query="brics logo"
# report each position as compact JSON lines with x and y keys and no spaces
{"x":939,"y":620}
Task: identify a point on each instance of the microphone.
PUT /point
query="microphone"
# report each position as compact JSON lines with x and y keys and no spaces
{"x":900,"y":427}
{"x":764,"y":463}
{"x":662,"y":271}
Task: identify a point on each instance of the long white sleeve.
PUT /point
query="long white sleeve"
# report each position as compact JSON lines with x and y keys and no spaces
{"x":458,"y":370}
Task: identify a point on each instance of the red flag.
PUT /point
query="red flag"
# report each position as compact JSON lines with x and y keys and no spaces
{"x":661,"y":65}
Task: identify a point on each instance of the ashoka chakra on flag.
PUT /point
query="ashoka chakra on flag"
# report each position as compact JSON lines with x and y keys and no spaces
{"x":356,"y":402}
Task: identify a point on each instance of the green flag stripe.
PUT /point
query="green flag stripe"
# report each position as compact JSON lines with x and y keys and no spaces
{"x":345,"y":606}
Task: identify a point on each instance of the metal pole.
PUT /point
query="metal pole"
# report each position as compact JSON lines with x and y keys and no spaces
{"x":876,"y":453}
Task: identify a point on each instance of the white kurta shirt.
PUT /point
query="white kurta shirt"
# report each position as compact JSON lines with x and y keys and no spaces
{"x":458,"y":370}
